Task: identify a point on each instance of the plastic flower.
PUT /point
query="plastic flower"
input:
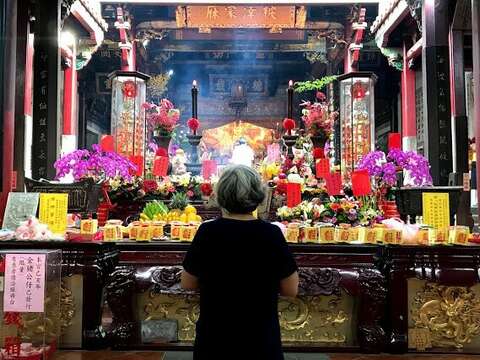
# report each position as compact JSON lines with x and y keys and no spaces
{"x":206,"y":189}
{"x":318,"y":119}
{"x":150,"y":186}
{"x":163,"y":117}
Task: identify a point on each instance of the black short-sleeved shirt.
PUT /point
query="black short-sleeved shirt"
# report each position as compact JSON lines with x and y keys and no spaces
{"x":239,"y":265}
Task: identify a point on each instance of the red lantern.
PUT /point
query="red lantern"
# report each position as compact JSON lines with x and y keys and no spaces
{"x":129,"y":89}
{"x":358,"y":90}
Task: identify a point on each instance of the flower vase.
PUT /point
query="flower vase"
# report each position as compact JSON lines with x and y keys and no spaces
{"x":318,"y":141}
{"x":318,"y":146}
{"x":162,"y":141}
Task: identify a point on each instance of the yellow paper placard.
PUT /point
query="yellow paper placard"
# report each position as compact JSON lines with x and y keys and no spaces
{"x":436,"y":210}
{"x":53,"y":212}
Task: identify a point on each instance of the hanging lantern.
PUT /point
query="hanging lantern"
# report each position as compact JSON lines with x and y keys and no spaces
{"x":357,"y":121}
{"x":358,"y":90}
{"x":128,"y":117}
{"x":129,"y":89}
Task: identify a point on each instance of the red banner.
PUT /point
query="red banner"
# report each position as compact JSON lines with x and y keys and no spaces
{"x":160,"y":166}
{"x":138,"y":161}
{"x":334,"y":184}
{"x":294,"y":194}
{"x":361,"y":183}
{"x":394,"y":141}
{"x":322,"y":168}
{"x":209,"y":168}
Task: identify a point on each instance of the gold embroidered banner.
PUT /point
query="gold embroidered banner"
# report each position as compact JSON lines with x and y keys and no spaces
{"x":271,"y":17}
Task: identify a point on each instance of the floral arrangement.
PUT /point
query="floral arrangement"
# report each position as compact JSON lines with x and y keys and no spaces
{"x":194,"y":187}
{"x":162,"y":118}
{"x":317,"y":117}
{"x":96,"y":163}
{"x":383,"y":167}
{"x":336,"y":211}
{"x":268,"y":170}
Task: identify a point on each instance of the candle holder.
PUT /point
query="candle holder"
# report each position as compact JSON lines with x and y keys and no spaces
{"x":194,"y":166}
{"x":290,"y":141}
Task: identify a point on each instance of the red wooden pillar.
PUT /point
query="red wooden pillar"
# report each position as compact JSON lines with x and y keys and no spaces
{"x":409,"y":120}
{"x":70,"y":95}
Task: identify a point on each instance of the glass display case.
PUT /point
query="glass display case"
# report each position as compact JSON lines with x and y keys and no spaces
{"x":31,"y":316}
{"x":357,"y":118}
{"x":128,"y":117}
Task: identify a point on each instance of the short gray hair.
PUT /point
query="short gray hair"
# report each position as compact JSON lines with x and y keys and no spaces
{"x":239,"y":190}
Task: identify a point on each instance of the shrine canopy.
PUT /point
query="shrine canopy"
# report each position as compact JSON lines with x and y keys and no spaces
{"x":221,"y":140}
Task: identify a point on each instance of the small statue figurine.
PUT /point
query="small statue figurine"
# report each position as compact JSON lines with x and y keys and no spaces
{"x":178,"y":163}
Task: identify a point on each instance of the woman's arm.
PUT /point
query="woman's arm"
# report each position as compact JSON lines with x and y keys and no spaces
{"x":189,"y":281}
{"x":289,"y":285}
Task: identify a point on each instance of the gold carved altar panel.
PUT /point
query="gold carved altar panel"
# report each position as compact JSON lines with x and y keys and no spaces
{"x":275,"y":18}
{"x":443,"y":317}
{"x":71,"y":302}
{"x":306,"y":319}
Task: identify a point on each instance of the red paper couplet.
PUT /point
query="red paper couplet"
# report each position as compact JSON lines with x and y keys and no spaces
{"x":106,"y":143}
{"x":394,"y":141}
{"x":294,"y":196}
{"x":361,"y":183}
{"x":334,"y":184}
{"x":160,"y":166}
{"x":322,"y":168}
{"x":138,"y":161}
{"x":209,"y":168}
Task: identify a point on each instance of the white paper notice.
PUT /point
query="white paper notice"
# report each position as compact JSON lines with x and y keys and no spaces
{"x":24,"y":283}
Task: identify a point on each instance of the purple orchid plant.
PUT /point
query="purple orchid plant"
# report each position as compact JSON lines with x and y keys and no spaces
{"x":384,"y":167}
{"x":96,"y":163}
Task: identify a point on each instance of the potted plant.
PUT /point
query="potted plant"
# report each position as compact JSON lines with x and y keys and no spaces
{"x":98,"y":165}
{"x":407,"y":194}
{"x":162,"y":120}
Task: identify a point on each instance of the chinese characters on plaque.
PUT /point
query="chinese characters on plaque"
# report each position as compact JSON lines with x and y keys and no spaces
{"x":24,"y":283}
{"x":206,"y":17}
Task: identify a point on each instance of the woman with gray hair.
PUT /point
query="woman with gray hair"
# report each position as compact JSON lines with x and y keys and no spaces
{"x":240,"y":265}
